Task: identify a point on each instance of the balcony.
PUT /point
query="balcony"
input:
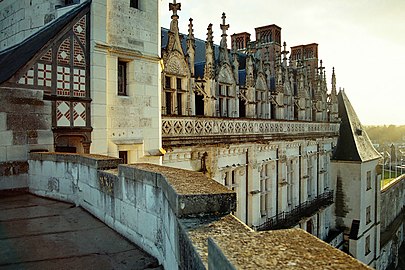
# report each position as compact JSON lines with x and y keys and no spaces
{"x":185,"y":130}
{"x":285,"y":220}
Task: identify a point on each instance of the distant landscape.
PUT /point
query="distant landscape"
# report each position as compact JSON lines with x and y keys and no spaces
{"x":386,"y":134}
{"x":389,"y":141}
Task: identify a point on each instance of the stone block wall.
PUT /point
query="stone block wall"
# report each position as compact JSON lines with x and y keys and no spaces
{"x":19,"y":19}
{"x":392,"y":202}
{"x":392,"y":222}
{"x":25,"y":126}
{"x":122,"y":33}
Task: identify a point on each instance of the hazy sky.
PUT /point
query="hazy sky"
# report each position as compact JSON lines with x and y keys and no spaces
{"x":363,"y":39}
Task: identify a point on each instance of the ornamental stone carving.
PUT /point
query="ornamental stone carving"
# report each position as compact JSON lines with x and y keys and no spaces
{"x":176,"y":65}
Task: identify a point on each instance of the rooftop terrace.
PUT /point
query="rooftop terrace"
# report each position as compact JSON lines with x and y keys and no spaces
{"x":38,"y":233}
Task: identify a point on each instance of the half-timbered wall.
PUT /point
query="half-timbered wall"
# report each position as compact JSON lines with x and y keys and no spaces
{"x":61,"y":70}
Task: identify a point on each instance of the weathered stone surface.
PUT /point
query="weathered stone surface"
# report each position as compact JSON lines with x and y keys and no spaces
{"x":189,"y":193}
{"x":282,"y":249}
{"x":36,"y":233}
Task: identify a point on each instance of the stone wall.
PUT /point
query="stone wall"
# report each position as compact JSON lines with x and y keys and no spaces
{"x":143,"y":205}
{"x":392,"y":202}
{"x":392,"y":222}
{"x":19,"y":19}
{"x":171,"y":213}
{"x":133,"y":125}
{"x":25,"y":125}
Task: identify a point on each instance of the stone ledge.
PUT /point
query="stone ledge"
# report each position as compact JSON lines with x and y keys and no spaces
{"x":281,"y":249}
{"x":95,"y":161}
{"x":189,"y":193}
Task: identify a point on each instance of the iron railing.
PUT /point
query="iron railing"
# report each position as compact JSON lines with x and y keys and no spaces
{"x":288,"y":219}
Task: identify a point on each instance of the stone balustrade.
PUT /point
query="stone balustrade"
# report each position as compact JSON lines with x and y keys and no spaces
{"x":175,"y":127}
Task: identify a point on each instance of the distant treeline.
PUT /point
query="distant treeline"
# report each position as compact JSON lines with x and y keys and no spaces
{"x":386,"y":134}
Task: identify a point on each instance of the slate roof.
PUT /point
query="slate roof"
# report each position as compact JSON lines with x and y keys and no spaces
{"x":15,"y":57}
{"x":353,"y":143}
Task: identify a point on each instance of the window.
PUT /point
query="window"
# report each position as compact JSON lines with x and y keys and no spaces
{"x":168,"y":103}
{"x":309,"y":180}
{"x":368,"y":214}
{"x":124,"y":156}
{"x":134,"y":4}
{"x":224,"y":101}
{"x":174,"y":96}
{"x":230,"y":180}
{"x":167,"y":82}
{"x":290,"y":173}
{"x":264,"y":190}
{"x":122,"y":78}
{"x":368,"y":180}
{"x":179,"y":104}
{"x":367,"y":245}
{"x":178,"y":84}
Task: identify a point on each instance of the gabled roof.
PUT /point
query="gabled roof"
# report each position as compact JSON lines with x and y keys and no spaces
{"x":15,"y":57}
{"x":353,"y":143}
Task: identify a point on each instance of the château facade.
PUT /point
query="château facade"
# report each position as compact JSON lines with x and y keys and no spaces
{"x":264,"y":124}
{"x":102,"y":77}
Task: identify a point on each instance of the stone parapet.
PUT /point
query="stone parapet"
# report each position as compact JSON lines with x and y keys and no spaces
{"x":191,"y":130}
{"x":92,"y":160}
{"x":171,"y":214}
{"x":226,"y":243}
{"x":189,"y":193}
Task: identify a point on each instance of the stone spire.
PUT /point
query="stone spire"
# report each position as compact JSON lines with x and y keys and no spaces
{"x":191,"y":47}
{"x":250,"y":81}
{"x":174,"y":43}
{"x":333,"y":99}
{"x":279,"y":75}
{"x":174,"y":27}
{"x":223,"y":49}
{"x":285,"y":53}
{"x":301,"y":82}
{"x":209,"y":70}
{"x":235,"y":62}
{"x":333,"y":82}
{"x":321,"y":70}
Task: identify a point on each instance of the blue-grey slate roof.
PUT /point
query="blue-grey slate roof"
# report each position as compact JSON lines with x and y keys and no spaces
{"x":353,"y":143}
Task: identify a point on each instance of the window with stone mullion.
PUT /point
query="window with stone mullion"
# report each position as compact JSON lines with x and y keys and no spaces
{"x":224,"y":100}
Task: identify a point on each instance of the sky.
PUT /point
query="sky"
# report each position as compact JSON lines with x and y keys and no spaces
{"x":363,"y":39}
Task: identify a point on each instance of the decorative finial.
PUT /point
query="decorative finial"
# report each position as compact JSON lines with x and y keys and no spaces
{"x":224,"y":26}
{"x":190,"y":29}
{"x":333,"y":81}
{"x":285,"y":52}
{"x":209,"y":33}
{"x":174,"y":7}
